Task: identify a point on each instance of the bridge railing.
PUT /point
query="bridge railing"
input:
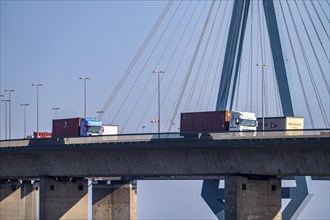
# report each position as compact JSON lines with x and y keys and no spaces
{"x":213,"y":135}
{"x":147,"y":137}
{"x":268,"y":134}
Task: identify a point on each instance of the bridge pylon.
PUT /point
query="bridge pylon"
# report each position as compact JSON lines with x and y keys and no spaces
{"x":221,"y":201}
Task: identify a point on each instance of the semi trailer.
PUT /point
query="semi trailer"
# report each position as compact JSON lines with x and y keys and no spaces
{"x":291,"y":125}
{"x":281,"y":123}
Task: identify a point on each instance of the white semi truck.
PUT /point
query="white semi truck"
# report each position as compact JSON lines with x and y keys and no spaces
{"x":243,"y":121}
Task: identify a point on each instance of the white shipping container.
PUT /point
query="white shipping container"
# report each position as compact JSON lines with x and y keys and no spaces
{"x":294,"y":123}
{"x":110,"y":129}
{"x":281,"y":123}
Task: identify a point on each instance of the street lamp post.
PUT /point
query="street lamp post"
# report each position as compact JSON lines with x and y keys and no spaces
{"x":158,"y":73}
{"x":84,"y":78}
{"x":55,"y":109}
{"x":9,"y":98}
{"x":24,"y":106}
{"x":100,"y":113}
{"x":173,"y":123}
{"x":263,"y":66}
{"x":37,"y":85}
{"x":0,"y":117}
{"x":6,"y":117}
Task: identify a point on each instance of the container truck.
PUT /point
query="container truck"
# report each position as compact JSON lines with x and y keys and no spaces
{"x":76,"y":127}
{"x":218,"y":121}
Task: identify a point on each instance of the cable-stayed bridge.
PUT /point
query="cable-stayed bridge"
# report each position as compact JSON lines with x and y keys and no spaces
{"x":209,"y":51}
{"x":188,"y":43}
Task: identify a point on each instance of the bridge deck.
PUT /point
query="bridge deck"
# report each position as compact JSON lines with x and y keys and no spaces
{"x":216,"y":154}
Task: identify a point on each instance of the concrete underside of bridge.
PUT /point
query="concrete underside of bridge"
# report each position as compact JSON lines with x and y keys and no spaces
{"x":275,"y":157}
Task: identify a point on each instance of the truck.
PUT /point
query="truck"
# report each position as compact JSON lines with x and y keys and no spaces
{"x":76,"y":127}
{"x":218,"y":121}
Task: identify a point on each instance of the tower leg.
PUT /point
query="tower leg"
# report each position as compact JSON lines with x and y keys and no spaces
{"x":299,"y":195}
{"x":278,"y":58}
{"x":214,"y":197}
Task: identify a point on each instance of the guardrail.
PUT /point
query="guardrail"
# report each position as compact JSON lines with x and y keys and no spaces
{"x":315,"y":133}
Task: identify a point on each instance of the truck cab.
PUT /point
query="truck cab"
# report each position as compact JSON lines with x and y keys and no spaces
{"x":90,"y":127}
{"x":243,"y":121}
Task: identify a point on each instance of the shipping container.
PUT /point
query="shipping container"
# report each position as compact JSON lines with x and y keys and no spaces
{"x":213,"y":121}
{"x":281,"y":123}
{"x":110,"y":129}
{"x":69,"y":127}
{"x":42,"y":134}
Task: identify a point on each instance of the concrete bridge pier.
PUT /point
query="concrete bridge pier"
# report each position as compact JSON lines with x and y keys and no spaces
{"x":29,"y":200}
{"x":115,"y":199}
{"x":63,"y":198}
{"x":249,"y":197}
{"x":19,"y":199}
{"x":10,"y":198}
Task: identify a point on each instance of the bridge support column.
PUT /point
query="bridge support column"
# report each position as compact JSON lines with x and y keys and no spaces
{"x":10,"y":197}
{"x":253,"y":198}
{"x":29,"y":200}
{"x":116,"y":200}
{"x":63,"y":198}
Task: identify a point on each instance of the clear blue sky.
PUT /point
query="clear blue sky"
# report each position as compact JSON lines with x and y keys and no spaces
{"x":56,"y":42}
